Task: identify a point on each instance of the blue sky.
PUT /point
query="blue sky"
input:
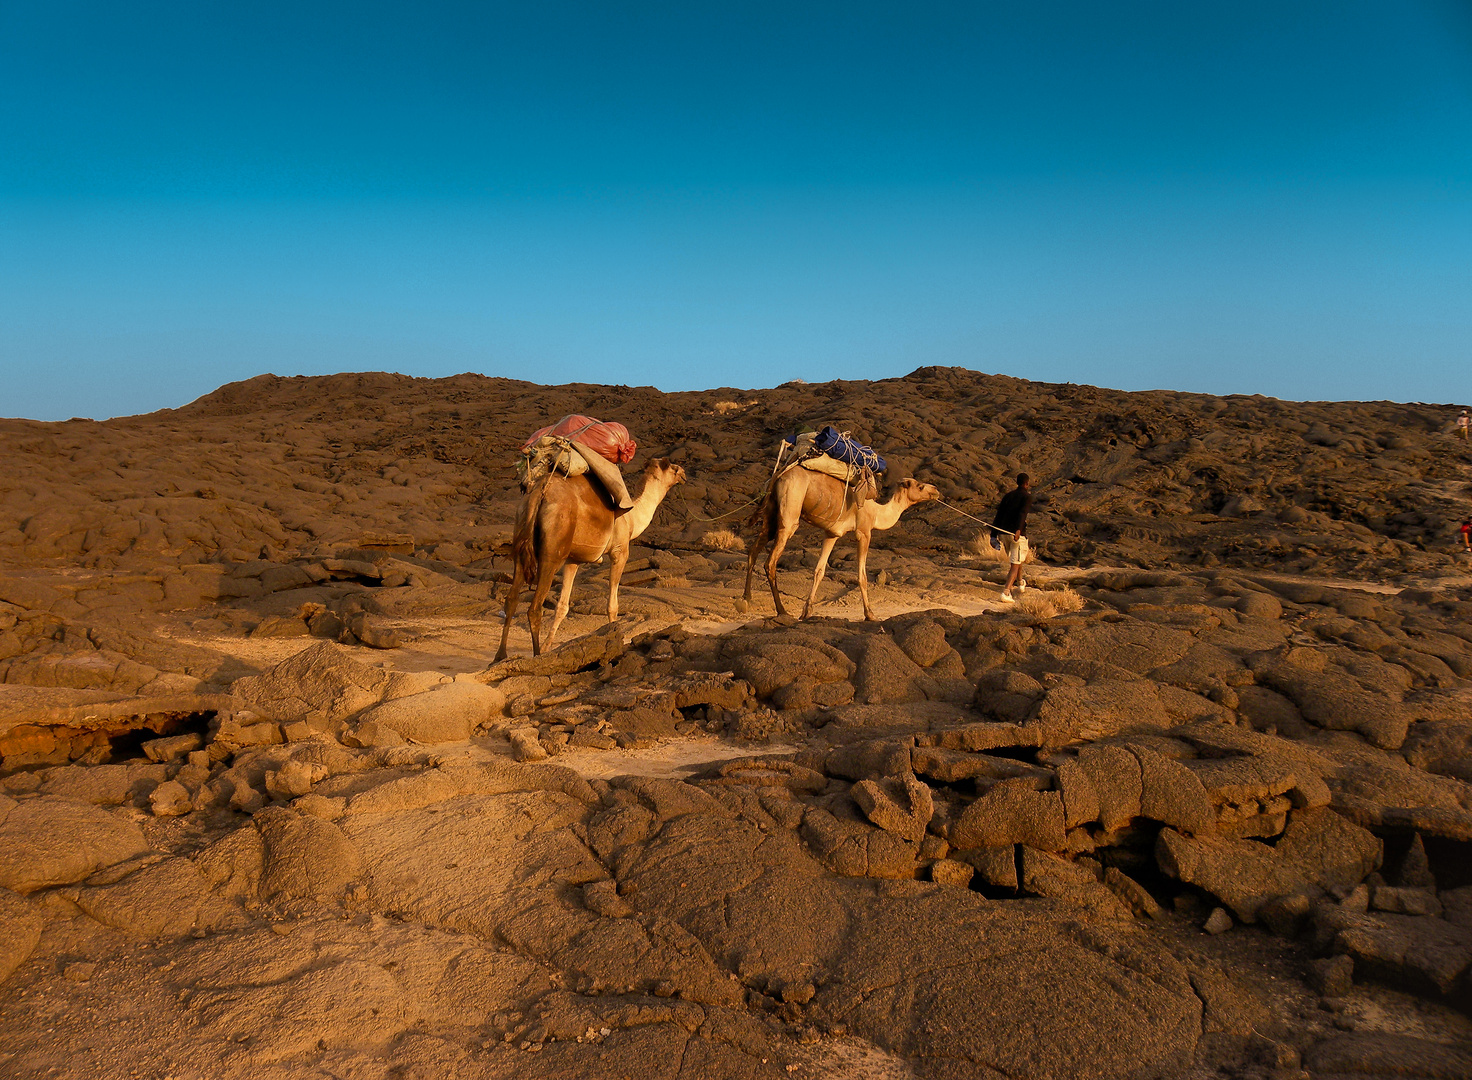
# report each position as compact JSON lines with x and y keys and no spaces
{"x":1248,"y":198}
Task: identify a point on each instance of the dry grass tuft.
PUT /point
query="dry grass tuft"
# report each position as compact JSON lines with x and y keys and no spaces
{"x":1066,"y":601}
{"x":1045,"y":604}
{"x":723,"y":540}
{"x":981,"y":544}
{"x":724,"y":408}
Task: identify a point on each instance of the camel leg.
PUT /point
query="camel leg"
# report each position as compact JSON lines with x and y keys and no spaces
{"x":513,"y":593}
{"x":759,"y":541}
{"x":615,"y":571}
{"x":783,"y":535}
{"x":546,"y":571}
{"x":569,"y":572}
{"x":818,"y":572}
{"x":758,"y":545}
{"x":863,"y":539}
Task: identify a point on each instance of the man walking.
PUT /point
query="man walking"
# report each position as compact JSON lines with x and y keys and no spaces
{"x":1008,"y":526}
{"x":1463,"y":423}
{"x":1017,"y":555}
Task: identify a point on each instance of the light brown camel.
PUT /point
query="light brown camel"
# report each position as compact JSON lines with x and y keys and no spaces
{"x":825,"y":501}
{"x":566,"y":521}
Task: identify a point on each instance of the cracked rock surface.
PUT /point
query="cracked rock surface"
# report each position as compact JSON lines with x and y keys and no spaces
{"x":267,"y":809}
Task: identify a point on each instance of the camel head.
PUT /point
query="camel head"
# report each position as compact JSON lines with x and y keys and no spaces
{"x":914,"y":491}
{"x":664,"y":471}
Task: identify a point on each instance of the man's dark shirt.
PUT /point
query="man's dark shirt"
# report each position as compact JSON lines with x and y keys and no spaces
{"x":1012,"y":510}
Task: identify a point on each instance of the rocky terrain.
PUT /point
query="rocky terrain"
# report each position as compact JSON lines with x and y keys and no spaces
{"x":1199,"y":805}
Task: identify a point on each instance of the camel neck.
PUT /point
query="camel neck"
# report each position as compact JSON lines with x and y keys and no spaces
{"x":642,"y":512}
{"x":886,"y":514}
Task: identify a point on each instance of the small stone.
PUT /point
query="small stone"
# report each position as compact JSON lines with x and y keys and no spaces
{"x":293,"y":779}
{"x":319,"y":806}
{"x":171,"y":747}
{"x":1415,"y":868}
{"x":1218,"y":922}
{"x":247,"y":800}
{"x":233,"y":737}
{"x":297,"y":731}
{"x":371,"y":633}
{"x":951,"y":872}
{"x":996,"y":865}
{"x":193,"y":777}
{"x":1279,"y":1056}
{"x":526,"y":746}
{"x":602,"y":898}
{"x":1406,"y":901}
{"x":1285,"y":915}
{"x":21,"y":783}
{"x":901,"y":805}
{"x":78,"y":972}
{"x":1334,"y":976}
{"x":372,"y":733}
{"x":1132,"y":893}
{"x":591,"y":740}
{"x":170,"y":799}
{"x":934,"y":847}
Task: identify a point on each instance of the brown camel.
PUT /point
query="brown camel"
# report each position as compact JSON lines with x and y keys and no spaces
{"x":566,"y":521}
{"x":825,"y":501}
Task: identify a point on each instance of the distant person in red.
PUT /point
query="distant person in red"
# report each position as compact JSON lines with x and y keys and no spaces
{"x":1466,"y":534}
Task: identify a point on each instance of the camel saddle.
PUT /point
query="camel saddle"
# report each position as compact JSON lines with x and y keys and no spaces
{"x":860,"y":481}
{"x":803,"y":450}
{"x":568,"y":457}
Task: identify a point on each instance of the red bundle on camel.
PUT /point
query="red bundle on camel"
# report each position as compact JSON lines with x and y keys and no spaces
{"x":611,"y":441}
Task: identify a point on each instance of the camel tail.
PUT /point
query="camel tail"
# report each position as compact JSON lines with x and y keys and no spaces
{"x":523,"y":544}
{"x":763,"y":517}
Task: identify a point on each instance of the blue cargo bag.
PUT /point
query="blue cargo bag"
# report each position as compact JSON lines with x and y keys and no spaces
{"x":839,"y":446}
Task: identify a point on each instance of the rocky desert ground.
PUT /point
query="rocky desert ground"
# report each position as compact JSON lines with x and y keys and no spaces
{"x":1197,"y":806}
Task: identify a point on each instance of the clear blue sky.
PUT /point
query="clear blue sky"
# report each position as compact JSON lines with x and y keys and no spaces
{"x":1238,"y":197}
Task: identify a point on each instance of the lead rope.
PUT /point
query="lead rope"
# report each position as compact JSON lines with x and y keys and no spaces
{"x":760,"y":495}
{"x":978,"y":520}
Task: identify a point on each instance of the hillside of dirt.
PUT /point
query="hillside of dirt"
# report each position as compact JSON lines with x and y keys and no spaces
{"x":1157,"y":480}
{"x":1198,"y":804}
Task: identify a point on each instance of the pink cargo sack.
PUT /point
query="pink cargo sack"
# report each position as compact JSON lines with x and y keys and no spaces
{"x":611,"y":441}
